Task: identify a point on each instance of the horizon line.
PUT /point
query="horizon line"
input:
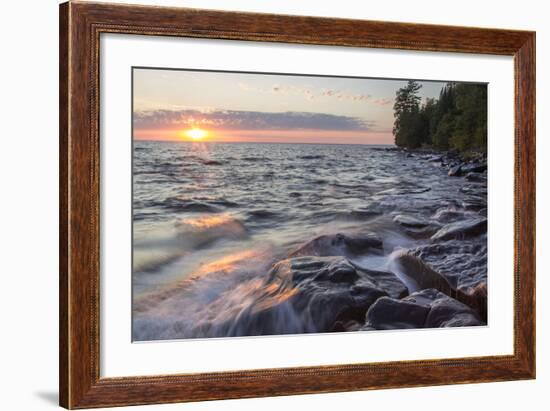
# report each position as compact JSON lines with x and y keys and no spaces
{"x":257,"y":142}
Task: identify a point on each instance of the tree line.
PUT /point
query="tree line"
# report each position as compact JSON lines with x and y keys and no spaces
{"x":457,"y":120}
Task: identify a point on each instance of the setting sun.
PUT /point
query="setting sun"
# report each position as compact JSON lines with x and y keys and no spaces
{"x":196,"y":134}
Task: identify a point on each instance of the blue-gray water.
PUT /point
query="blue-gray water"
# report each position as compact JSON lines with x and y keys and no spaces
{"x":209,"y":219}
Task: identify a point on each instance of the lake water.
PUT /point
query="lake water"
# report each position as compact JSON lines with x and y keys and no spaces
{"x":210,"y":220}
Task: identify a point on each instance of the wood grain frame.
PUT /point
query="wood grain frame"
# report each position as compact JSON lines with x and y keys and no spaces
{"x":80,"y":27}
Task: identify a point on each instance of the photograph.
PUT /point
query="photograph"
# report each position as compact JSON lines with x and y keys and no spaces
{"x":274,"y":204}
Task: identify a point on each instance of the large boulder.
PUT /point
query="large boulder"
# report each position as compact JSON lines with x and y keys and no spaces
{"x":322,"y":293}
{"x":340,"y":245}
{"x":424,"y":309}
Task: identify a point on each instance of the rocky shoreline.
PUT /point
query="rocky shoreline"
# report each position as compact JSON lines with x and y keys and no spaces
{"x":411,"y":253}
{"x":322,"y":283}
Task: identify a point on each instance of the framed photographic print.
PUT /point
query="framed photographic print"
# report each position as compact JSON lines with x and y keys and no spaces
{"x":256,"y":205}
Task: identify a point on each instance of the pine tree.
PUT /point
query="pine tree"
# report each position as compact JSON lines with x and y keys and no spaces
{"x":405,"y":109}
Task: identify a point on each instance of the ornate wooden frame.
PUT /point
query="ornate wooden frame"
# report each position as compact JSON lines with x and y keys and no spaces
{"x":80,"y":27}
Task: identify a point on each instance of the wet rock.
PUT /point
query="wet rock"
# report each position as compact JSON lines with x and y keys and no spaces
{"x":447,"y":215}
{"x":476,"y":177}
{"x":435,"y":159}
{"x":462,"y":229}
{"x":462,"y":264}
{"x":385,"y":280}
{"x":421,"y":274}
{"x":342,"y":271}
{"x":341,"y":326}
{"x":410,"y":221}
{"x":473,"y":168}
{"x":340,"y":245}
{"x":462,"y":169}
{"x":455,"y":171}
{"x":427,"y":308}
{"x":421,"y":233}
{"x":390,"y":314}
{"x":323,"y":291}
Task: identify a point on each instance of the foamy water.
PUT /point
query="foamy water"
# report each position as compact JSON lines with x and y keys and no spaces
{"x":211,"y":219}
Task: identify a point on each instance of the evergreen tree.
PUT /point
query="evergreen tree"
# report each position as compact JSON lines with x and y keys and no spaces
{"x":457,"y":120}
{"x":405,"y":108}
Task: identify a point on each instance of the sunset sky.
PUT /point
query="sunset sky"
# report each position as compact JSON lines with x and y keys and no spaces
{"x":183,"y":105}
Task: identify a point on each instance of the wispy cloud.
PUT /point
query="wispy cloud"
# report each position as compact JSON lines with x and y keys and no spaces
{"x":248,"y":120}
{"x":312,"y":94}
{"x":345,"y":95}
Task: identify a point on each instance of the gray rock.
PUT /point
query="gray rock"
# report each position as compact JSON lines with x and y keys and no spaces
{"x":463,"y":264}
{"x":462,"y":229}
{"x":323,"y":291}
{"x":340,"y":245}
{"x":447,"y":215}
{"x":424,"y":309}
{"x":455,"y":171}
{"x":462,"y":169}
{"x":421,"y":233}
{"x":448,"y":312}
{"x":421,"y":274}
{"x":389,"y":314}
{"x":476,"y":177}
{"x":410,"y":221}
{"x":473,"y":168}
{"x":455,"y":268}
